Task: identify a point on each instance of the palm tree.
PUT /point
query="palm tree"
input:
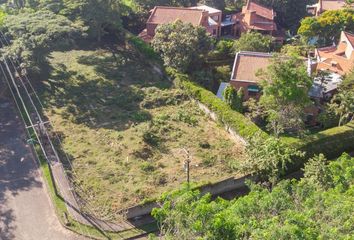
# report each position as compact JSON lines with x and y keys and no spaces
{"x":343,"y":106}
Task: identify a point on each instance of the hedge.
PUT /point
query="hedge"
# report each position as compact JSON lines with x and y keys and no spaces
{"x":331,"y":142}
{"x":235,"y":120}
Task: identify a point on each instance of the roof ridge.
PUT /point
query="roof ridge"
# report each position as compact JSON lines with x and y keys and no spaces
{"x":181,"y":8}
{"x":258,"y":54}
{"x":261,"y":5}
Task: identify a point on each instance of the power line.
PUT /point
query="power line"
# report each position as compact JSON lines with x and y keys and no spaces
{"x":89,"y":206}
{"x":31,"y":123}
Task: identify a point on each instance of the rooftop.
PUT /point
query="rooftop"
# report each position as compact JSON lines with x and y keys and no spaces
{"x":338,"y":59}
{"x":164,"y":15}
{"x":207,"y":8}
{"x":332,"y":4}
{"x":247,"y":64}
{"x":260,"y":10}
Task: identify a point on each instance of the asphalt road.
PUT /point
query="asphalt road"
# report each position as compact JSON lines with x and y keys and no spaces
{"x":26,"y":212}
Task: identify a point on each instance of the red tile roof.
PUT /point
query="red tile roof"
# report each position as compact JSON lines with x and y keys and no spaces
{"x":332,"y":4}
{"x":337,"y":59}
{"x":164,"y":15}
{"x":261,"y":10}
{"x":350,"y":37}
{"x":247,"y":64}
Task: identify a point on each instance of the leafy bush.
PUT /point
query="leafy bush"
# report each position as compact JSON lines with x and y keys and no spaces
{"x":155,"y":97}
{"x":225,"y":47}
{"x":291,"y":210}
{"x":186,"y":117}
{"x":151,"y":138}
{"x":147,"y":167}
{"x":143,"y":47}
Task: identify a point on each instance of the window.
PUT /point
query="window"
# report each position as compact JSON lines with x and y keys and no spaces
{"x":253,"y":90}
{"x":214,"y":32}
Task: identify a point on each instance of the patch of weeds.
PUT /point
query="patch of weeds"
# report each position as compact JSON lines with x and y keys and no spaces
{"x":140,"y":116}
{"x":209,"y":160}
{"x":186,"y":117}
{"x":155,"y":97}
{"x":160,"y":179}
{"x":150,"y":138}
{"x":143,"y":153}
{"x":91,"y":162}
{"x":147,"y":167}
{"x":204,"y":145}
{"x":161,"y":165}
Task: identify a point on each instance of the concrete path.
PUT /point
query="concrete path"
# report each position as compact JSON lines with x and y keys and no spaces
{"x":26,"y":211}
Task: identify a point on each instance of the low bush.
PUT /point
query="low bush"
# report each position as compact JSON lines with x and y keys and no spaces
{"x":144,"y":48}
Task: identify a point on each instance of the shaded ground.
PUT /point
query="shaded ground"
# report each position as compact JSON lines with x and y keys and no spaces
{"x":26,"y":212}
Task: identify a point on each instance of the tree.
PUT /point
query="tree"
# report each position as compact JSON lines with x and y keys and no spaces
{"x":317,"y":171}
{"x":234,"y":98}
{"x":182,"y":46}
{"x":285,"y":92}
{"x":342,"y":105}
{"x":34,"y":34}
{"x":268,"y":158}
{"x":2,"y":17}
{"x":290,"y":210}
{"x":253,"y":41}
{"x":328,"y":26}
{"x":98,"y":15}
{"x":323,"y":77}
{"x":348,"y":81}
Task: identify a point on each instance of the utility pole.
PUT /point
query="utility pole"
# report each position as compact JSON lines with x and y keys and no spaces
{"x":187,"y":163}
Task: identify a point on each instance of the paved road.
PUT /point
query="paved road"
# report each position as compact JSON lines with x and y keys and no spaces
{"x":26,"y":212}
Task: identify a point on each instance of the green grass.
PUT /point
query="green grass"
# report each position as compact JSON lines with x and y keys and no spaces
{"x":123,"y":124}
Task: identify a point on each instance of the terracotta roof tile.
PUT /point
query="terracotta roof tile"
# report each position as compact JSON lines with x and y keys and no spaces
{"x":332,"y":4}
{"x":330,"y":60}
{"x":261,"y":10}
{"x":350,"y":37}
{"x":247,"y":65}
{"x":164,"y":15}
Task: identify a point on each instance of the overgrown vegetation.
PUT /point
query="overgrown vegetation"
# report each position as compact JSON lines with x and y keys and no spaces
{"x":327,"y":26}
{"x":319,"y":206}
{"x":123,"y":124}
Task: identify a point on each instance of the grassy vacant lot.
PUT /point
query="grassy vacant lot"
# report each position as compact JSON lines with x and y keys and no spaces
{"x":124,"y":125}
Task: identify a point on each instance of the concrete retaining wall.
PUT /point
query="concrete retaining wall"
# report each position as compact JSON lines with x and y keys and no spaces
{"x":214,"y":117}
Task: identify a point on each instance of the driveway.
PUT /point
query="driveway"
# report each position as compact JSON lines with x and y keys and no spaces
{"x":26,"y":212}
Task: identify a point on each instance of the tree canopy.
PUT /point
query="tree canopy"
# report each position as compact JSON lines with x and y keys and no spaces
{"x":328,"y":26}
{"x":181,"y":45}
{"x":253,"y":41}
{"x":34,"y":34}
{"x":98,"y":15}
{"x":285,"y":93}
{"x":291,"y":210}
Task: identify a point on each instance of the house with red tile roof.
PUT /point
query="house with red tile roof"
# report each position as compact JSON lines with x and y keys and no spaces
{"x":204,"y":16}
{"x":245,"y":69}
{"x":255,"y":17}
{"x":338,"y":59}
{"x":326,"y":5}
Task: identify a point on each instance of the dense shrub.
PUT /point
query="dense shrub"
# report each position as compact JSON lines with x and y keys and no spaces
{"x":144,"y":48}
